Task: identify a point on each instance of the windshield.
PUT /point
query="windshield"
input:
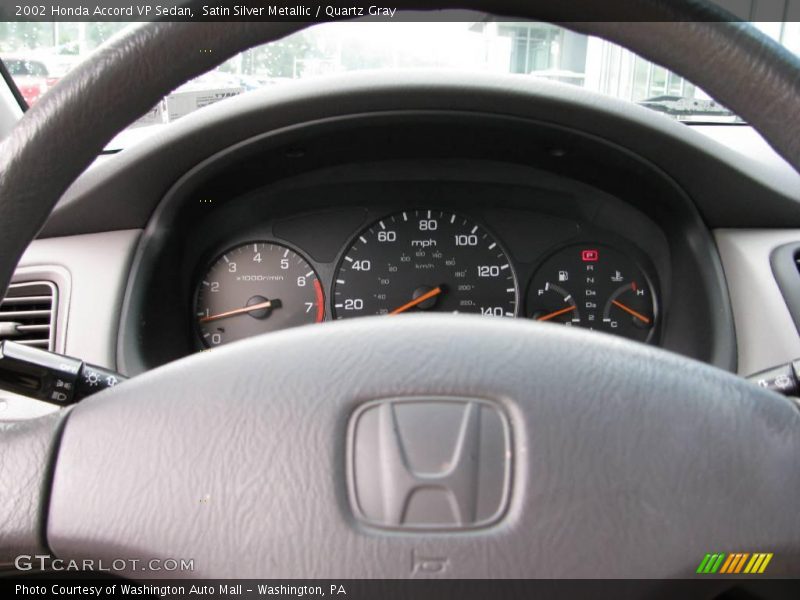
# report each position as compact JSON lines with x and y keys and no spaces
{"x":38,"y":54}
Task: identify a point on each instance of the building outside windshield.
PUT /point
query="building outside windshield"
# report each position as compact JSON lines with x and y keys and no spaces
{"x":38,"y":54}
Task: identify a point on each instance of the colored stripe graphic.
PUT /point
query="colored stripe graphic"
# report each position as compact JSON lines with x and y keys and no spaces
{"x":763,"y":564}
{"x":703,"y":564}
{"x":734,"y":563}
{"x":755,"y":562}
{"x":717,"y":563}
{"x":727,"y":564}
{"x":740,"y":563}
{"x":711,"y":563}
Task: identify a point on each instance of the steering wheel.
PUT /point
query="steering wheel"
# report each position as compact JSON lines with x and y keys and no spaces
{"x":310,"y":452}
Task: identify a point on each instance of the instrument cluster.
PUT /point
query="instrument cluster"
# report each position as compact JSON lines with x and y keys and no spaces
{"x":422,"y":260}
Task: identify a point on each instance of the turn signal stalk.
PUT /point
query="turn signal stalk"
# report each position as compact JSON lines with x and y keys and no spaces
{"x":51,"y":377}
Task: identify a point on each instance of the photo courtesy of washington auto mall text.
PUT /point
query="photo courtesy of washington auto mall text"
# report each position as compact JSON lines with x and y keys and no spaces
{"x":165,"y":589}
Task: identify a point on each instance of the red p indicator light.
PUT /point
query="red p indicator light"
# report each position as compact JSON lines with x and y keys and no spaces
{"x":590,"y":255}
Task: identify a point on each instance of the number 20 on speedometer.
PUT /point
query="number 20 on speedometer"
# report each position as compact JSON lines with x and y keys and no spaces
{"x":424,"y":261}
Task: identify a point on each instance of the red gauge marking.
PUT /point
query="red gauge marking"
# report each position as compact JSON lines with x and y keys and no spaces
{"x":320,"y":301}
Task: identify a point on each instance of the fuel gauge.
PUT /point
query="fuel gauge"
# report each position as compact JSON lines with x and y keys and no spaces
{"x":554,"y":303}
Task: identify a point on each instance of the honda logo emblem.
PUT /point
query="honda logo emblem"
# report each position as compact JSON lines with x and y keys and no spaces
{"x":429,"y":463}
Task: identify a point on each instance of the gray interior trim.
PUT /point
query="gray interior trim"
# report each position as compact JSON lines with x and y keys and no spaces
{"x":97,"y":266}
{"x":765,"y":332}
{"x":91,"y":272}
{"x":753,"y":149}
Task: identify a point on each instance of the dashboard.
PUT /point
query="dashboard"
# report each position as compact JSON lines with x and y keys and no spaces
{"x":416,"y":213}
{"x":389,"y":238}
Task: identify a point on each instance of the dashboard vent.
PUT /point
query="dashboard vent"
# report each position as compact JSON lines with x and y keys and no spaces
{"x":28,"y":314}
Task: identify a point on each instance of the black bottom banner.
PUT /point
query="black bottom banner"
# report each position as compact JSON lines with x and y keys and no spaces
{"x":81,"y":586}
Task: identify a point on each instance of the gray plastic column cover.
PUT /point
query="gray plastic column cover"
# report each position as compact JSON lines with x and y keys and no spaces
{"x":236,"y":457}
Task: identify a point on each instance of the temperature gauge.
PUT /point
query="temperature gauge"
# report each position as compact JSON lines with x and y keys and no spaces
{"x":629,"y":311}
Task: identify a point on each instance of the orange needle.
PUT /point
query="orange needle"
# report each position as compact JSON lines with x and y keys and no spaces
{"x":434,"y":292}
{"x":630,"y":311}
{"x":237,"y":311}
{"x":556,"y":313}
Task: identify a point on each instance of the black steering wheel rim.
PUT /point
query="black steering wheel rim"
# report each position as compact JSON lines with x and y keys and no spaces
{"x":618,"y":403}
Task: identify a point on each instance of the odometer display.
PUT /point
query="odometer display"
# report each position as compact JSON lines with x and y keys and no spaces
{"x":424,"y":261}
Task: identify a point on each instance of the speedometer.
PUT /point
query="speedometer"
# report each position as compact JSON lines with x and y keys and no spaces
{"x":424,"y":261}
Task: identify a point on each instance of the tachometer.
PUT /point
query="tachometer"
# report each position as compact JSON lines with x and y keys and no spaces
{"x":424,"y":260}
{"x":256,"y":288}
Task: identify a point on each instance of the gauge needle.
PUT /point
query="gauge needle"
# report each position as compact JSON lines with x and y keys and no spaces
{"x":554,"y":314}
{"x":434,"y":292}
{"x":239,"y":311}
{"x":630,"y":311}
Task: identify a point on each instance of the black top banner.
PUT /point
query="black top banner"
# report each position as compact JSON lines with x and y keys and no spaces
{"x":395,"y":10}
{"x":191,"y":10}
